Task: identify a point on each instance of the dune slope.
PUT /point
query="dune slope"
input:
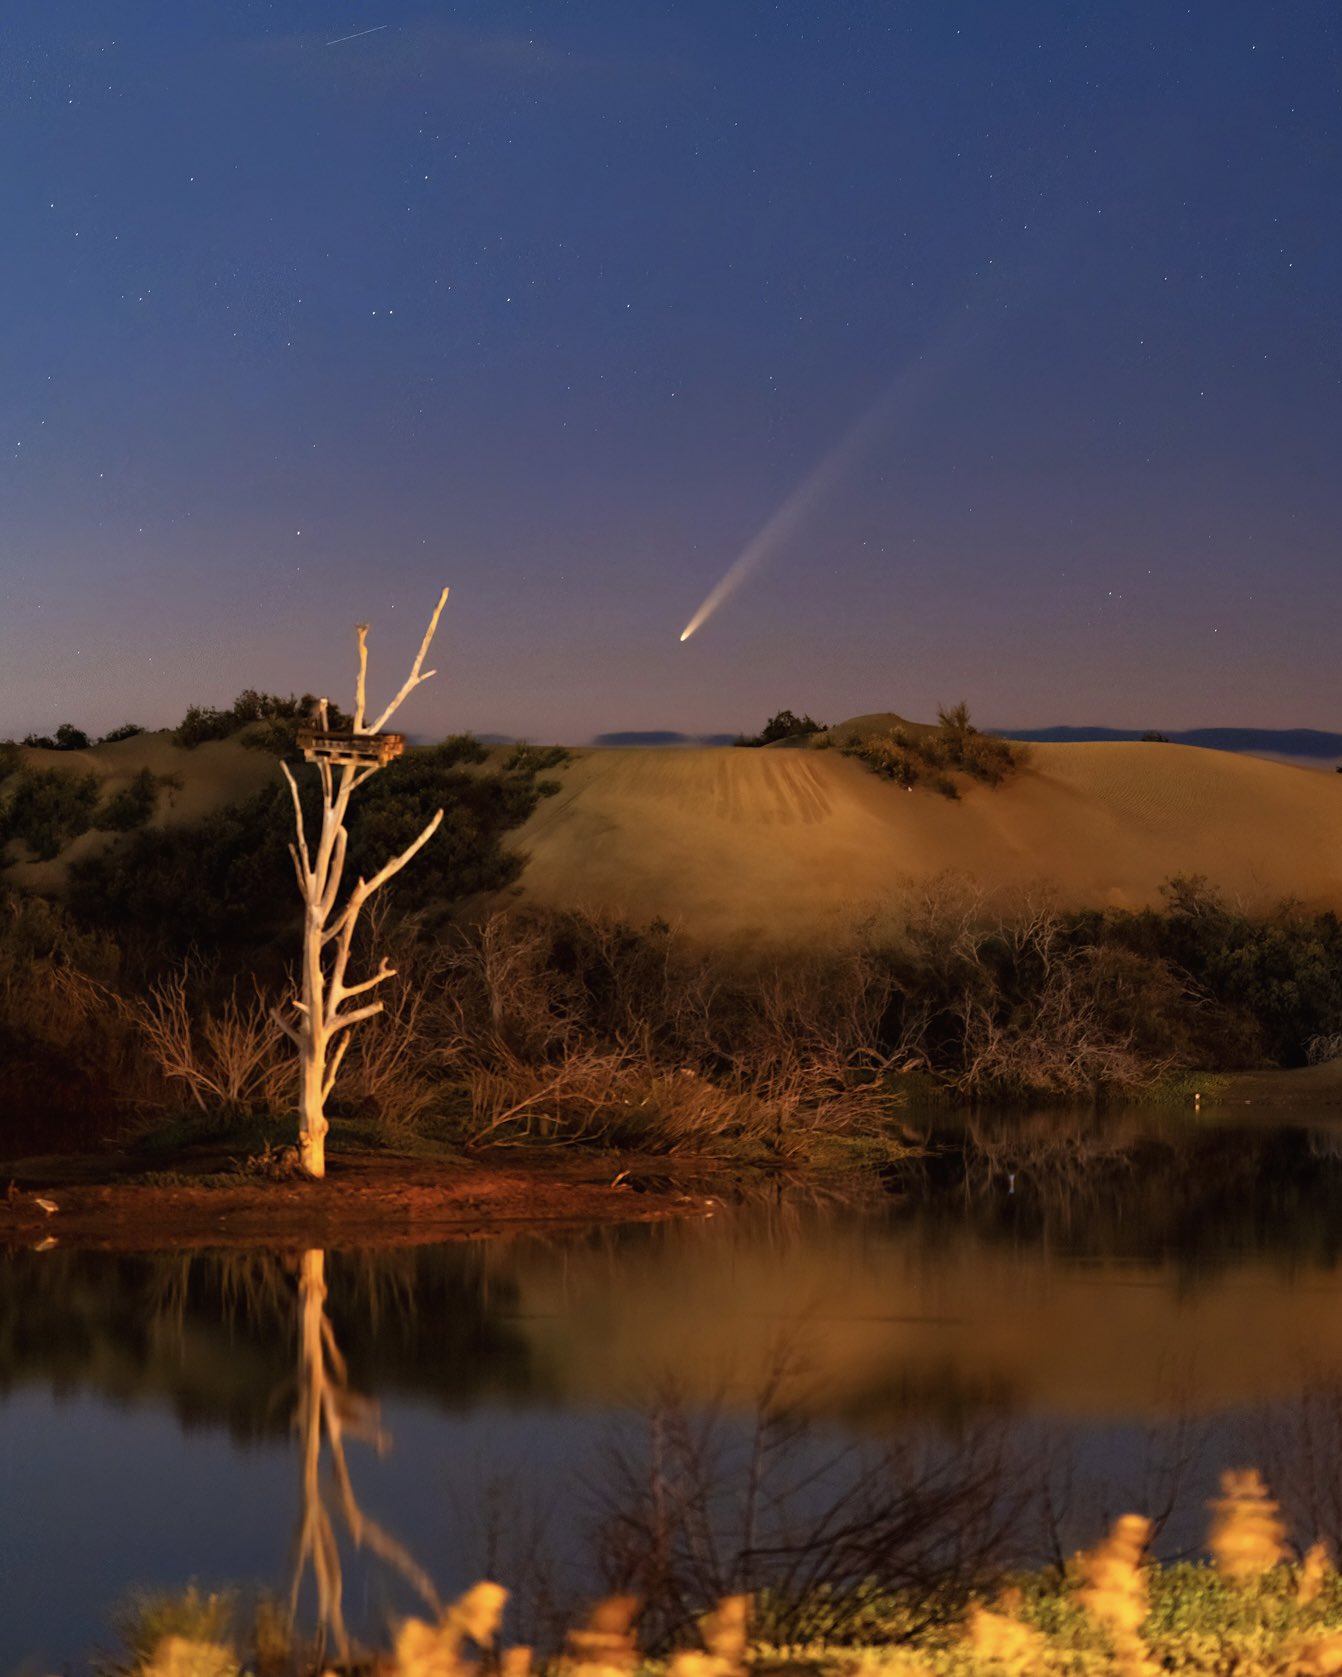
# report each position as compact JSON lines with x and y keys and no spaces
{"x":738,"y":844}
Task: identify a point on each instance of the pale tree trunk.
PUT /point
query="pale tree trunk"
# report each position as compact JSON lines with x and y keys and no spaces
{"x":321,"y":1023}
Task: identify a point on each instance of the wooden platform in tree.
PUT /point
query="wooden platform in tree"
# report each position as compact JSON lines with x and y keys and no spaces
{"x":359,"y":749}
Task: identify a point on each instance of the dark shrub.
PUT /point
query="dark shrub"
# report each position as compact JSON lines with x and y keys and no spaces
{"x":45,"y":809}
{"x":132,"y":806}
{"x":785,"y":725}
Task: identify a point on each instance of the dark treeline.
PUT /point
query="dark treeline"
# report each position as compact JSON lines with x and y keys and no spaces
{"x":151,"y":988}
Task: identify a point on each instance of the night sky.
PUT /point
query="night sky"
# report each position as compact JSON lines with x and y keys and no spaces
{"x":559,"y":304}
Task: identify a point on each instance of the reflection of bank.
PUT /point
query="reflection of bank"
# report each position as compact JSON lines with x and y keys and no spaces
{"x":327,"y":1412}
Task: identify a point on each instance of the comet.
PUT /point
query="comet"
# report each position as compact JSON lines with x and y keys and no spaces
{"x":898,"y":401}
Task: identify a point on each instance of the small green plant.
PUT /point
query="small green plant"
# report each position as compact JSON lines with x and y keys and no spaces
{"x":535,"y":759}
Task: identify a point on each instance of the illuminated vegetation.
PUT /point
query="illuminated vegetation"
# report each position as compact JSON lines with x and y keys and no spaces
{"x":1250,"y":1612}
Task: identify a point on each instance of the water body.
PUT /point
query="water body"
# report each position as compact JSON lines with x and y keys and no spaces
{"x":1038,"y":1323}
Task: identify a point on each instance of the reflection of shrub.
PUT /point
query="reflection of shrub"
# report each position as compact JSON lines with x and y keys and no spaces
{"x":45,"y":809}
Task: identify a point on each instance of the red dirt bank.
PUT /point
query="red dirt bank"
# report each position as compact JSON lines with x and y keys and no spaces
{"x":365,"y":1200}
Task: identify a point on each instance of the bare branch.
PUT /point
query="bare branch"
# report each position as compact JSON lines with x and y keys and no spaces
{"x":338,"y":1022}
{"x":286,"y":1027}
{"x":414,"y":678}
{"x":341,"y":991}
{"x":362,"y":891}
{"x":328,"y":1082}
{"x":298,"y":819}
{"x":361,"y":680}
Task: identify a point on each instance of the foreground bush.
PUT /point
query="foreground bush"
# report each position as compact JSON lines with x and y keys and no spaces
{"x":1251,"y":1613}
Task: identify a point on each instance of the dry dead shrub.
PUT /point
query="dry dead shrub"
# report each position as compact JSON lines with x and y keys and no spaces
{"x":230,"y":1054}
{"x":571,"y":1026}
{"x":999,"y":995}
{"x":1246,"y":1538}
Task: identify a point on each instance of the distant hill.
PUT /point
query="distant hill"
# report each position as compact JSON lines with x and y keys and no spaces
{"x":662,"y":736}
{"x":1280,"y":742}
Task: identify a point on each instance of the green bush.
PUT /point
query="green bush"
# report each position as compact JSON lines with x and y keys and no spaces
{"x":131,"y":807}
{"x":281,"y":717}
{"x":909,"y":757}
{"x":226,"y":885}
{"x":46,"y":808}
{"x":67,"y":738}
{"x":784,"y":725}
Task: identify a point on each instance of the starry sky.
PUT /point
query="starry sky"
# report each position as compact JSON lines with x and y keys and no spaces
{"x":1013,"y":327}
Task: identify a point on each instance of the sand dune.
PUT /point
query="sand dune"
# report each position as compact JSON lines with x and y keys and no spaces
{"x":740,"y":846}
{"x":737,"y":844}
{"x":201,"y":781}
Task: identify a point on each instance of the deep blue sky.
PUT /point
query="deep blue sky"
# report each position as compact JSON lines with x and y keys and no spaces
{"x":558,"y":303}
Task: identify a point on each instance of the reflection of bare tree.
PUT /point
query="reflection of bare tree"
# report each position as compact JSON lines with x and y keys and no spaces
{"x":326,"y":1413}
{"x":1067,"y":1160}
{"x":1299,"y":1445}
{"x":701,"y":1509}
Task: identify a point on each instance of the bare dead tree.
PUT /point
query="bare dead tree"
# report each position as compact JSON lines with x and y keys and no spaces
{"x":321,"y":1023}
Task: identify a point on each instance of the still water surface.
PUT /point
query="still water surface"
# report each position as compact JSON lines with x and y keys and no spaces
{"x":1113,"y":1313}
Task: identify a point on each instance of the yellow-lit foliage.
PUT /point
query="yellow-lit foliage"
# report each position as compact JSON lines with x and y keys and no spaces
{"x":1004,"y":1642}
{"x":184,"y":1656}
{"x":605,"y":1644}
{"x":1247,"y":1538}
{"x":435,"y":1650}
{"x":1313,"y":1570}
{"x":1321,"y":1657}
{"x":1115,"y":1589}
{"x":725,"y":1634}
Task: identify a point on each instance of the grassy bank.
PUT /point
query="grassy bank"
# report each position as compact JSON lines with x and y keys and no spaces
{"x":1251,"y":1610}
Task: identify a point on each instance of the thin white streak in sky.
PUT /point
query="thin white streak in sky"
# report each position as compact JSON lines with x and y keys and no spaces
{"x":357,"y":34}
{"x":899,"y":400}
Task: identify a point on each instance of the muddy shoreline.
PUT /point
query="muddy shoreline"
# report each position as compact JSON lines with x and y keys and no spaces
{"x":382,"y":1199}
